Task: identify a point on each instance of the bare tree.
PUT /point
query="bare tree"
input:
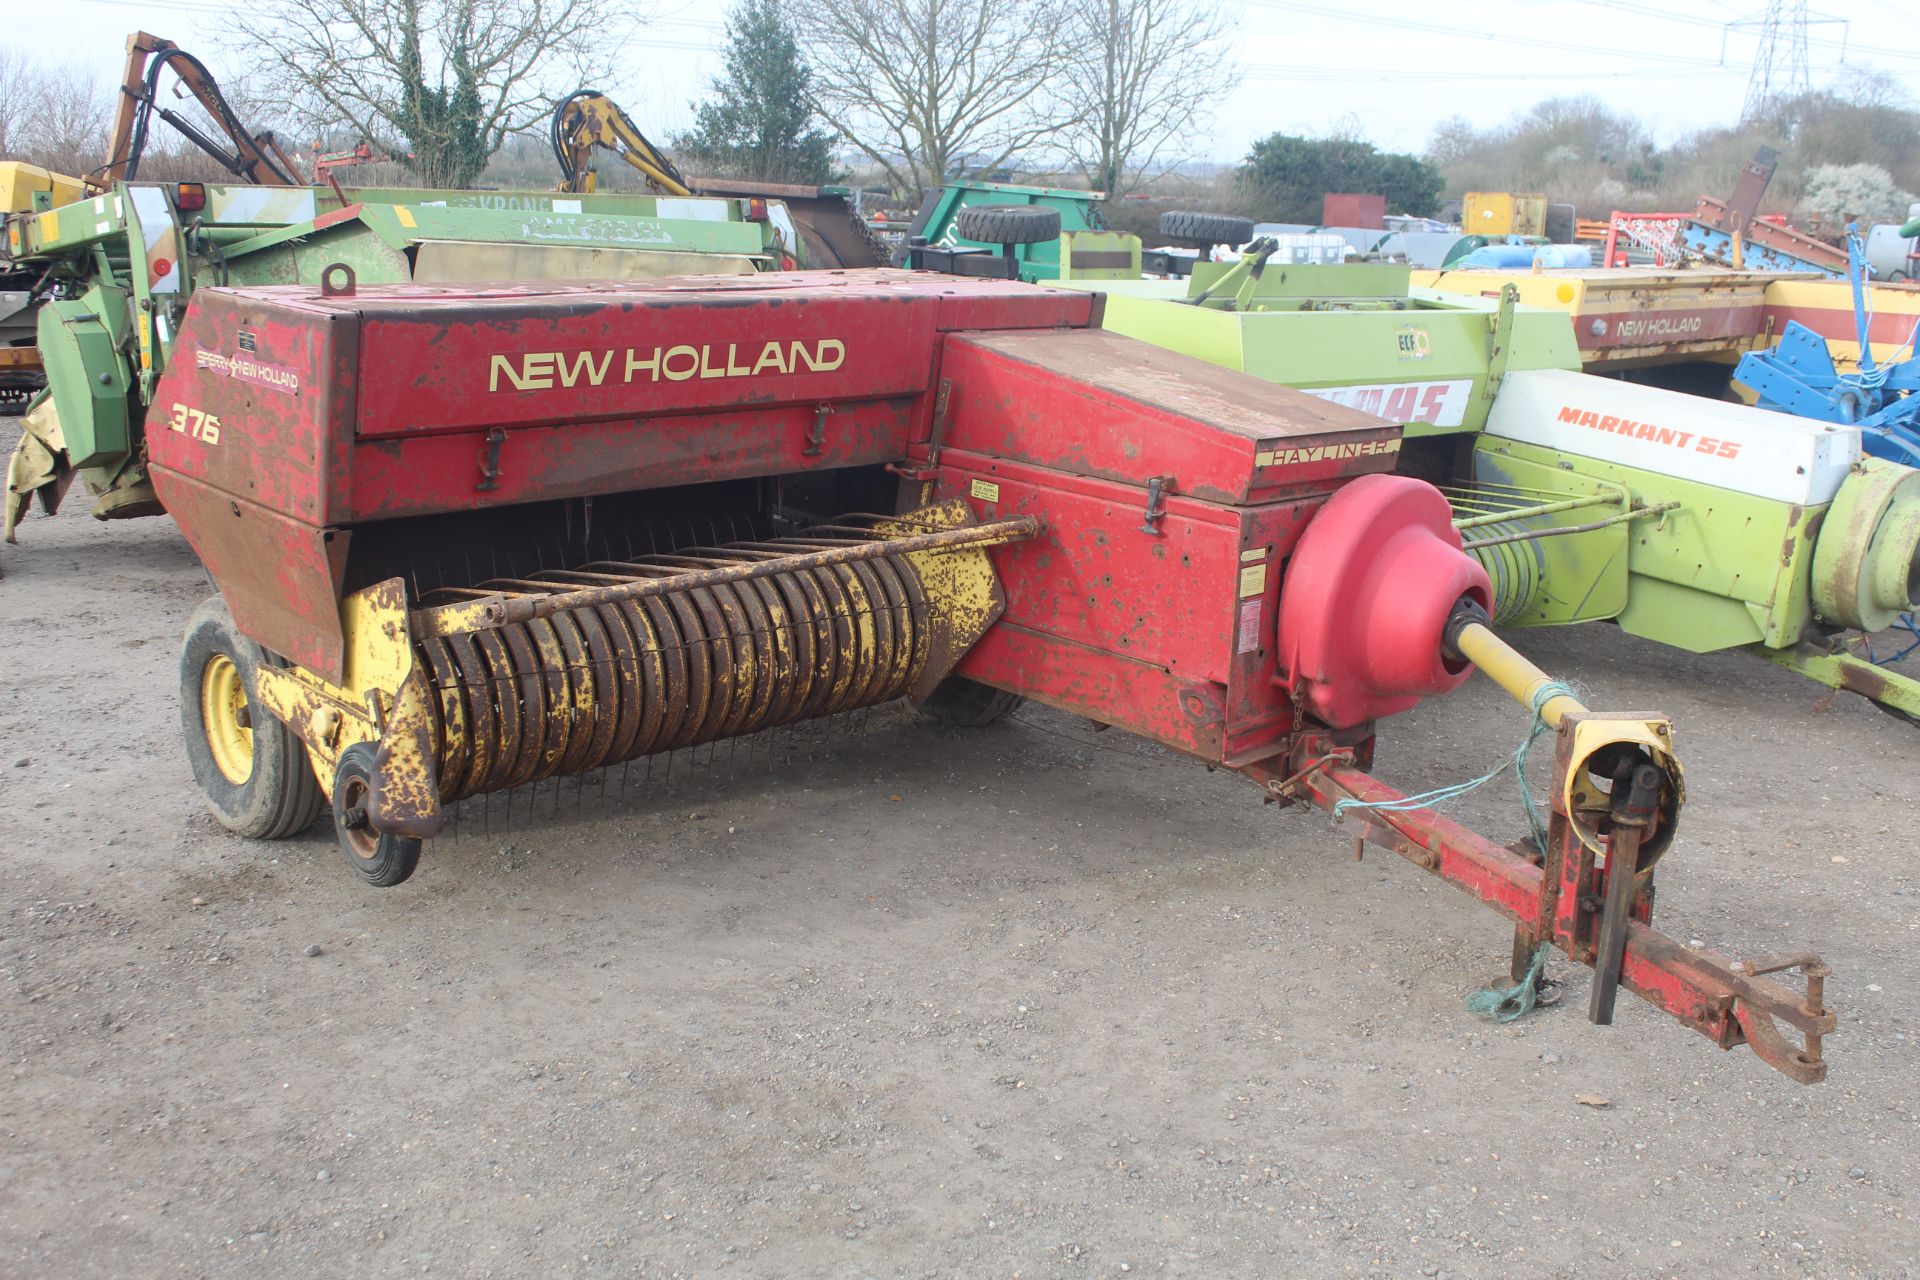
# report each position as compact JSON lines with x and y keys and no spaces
{"x":16,"y":93}
{"x":55,"y":117}
{"x":454,"y":78}
{"x":920,"y":86}
{"x":1144,"y":76}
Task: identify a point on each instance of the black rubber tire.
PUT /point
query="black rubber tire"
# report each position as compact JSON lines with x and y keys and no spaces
{"x":380,"y":859}
{"x":280,"y":796}
{"x":1009,"y":223}
{"x":1206,"y":228}
{"x":968,"y":704}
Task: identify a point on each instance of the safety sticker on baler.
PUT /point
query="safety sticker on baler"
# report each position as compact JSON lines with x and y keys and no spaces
{"x":1249,"y":639}
{"x":985,"y":490}
{"x":1253,"y":580}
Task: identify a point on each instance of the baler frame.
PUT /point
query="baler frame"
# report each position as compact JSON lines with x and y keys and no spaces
{"x":1219,"y":565}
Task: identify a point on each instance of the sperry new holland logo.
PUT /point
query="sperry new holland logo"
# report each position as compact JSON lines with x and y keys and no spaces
{"x":542,"y":370}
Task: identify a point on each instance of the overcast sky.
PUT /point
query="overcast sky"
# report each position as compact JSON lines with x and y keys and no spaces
{"x":1308,"y":67}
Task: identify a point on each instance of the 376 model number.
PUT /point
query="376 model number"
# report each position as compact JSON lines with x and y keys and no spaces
{"x":204,"y":427}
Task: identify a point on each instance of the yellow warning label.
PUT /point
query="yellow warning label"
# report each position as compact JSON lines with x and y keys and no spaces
{"x":1258,"y":553}
{"x":49,"y":224}
{"x":985,"y":490}
{"x":405,"y":215}
{"x":1253,"y":580}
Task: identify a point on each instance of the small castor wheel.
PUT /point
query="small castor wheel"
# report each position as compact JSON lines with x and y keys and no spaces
{"x":253,"y":771}
{"x":379,"y":858}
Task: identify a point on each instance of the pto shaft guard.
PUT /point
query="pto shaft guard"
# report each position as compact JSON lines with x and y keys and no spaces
{"x":1368,"y":592}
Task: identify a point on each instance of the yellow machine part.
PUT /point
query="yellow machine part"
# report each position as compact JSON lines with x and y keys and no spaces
{"x":1503,"y":213}
{"x":20,"y":181}
{"x":590,"y":687}
{"x":459,"y":708}
{"x":1593,"y":740}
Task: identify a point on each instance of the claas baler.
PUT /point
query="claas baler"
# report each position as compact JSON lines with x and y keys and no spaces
{"x":471,"y":538}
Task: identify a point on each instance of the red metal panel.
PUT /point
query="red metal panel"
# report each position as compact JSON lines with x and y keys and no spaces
{"x":1002,"y":304}
{"x":1346,"y":209}
{"x":258,"y":401}
{"x":1259,"y":719}
{"x":1624,"y":333}
{"x":1096,"y":577}
{"x":1164,"y":626}
{"x":458,"y":364}
{"x":420,"y":475}
{"x":281,"y":577}
{"x":1136,"y":696}
{"x":1104,"y":405}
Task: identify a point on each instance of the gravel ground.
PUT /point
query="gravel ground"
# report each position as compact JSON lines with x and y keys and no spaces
{"x":1020,"y":1001}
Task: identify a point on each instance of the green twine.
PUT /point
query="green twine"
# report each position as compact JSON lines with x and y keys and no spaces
{"x":1517,"y":762}
{"x":1504,"y":1004}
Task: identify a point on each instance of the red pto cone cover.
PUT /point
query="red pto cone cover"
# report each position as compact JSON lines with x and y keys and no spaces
{"x":1366,"y":600}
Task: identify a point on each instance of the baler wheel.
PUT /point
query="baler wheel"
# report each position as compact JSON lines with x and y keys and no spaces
{"x":968,"y":704}
{"x":382,"y":859}
{"x":1206,"y":228}
{"x":251,"y":768}
{"x":1009,"y":223}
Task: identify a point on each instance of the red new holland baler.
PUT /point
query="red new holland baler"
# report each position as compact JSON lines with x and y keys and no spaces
{"x":471,"y":539}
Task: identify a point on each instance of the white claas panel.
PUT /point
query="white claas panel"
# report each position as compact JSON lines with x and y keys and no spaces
{"x":1754,"y":451}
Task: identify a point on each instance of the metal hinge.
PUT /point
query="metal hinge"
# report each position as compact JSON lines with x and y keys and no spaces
{"x":817,"y":433}
{"x":490,"y":460}
{"x":1157,"y":490}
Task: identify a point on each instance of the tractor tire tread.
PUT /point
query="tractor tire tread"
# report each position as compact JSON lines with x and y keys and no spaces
{"x":1206,"y":228}
{"x":281,"y":797}
{"x":1009,"y":223}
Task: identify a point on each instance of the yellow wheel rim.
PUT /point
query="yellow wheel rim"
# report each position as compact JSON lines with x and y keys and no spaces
{"x":223,"y":710}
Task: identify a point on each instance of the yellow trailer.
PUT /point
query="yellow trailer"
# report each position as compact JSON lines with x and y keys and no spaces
{"x":1641,"y":317}
{"x":1632,"y":317}
{"x":1503,"y":213}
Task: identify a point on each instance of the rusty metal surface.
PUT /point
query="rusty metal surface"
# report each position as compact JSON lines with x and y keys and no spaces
{"x":831,"y":233}
{"x":565,"y":671}
{"x":681,"y":572}
{"x":1727,"y":1001}
{"x":1100,"y":404}
{"x":280,"y":576}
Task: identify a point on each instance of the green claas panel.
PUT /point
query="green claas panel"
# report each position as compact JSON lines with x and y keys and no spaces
{"x":1349,"y":333}
{"x":1722,"y":570}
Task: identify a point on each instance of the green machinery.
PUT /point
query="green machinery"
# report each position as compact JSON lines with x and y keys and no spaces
{"x":1692,"y":522}
{"x":118,"y":270}
{"x":938,"y":222}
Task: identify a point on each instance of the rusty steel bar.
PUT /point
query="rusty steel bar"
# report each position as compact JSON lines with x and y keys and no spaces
{"x":1638,"y":513}
{"x":1504,"y":514}
{"x":441,"y":620}
{"x":1729,"y":1002}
